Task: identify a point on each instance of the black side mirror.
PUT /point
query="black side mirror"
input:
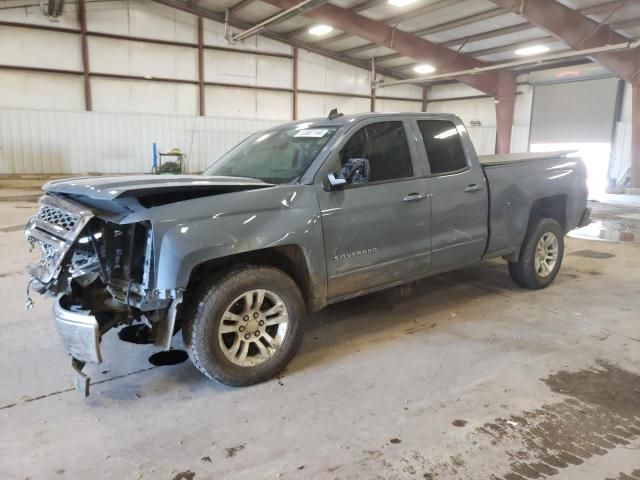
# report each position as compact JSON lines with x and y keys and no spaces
{"x":356,"y":170}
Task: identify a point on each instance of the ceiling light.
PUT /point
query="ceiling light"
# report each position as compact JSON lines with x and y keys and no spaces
{"x":533,"y":50}
{"x":401,"y":3}
{"x":424,"y":68}
{"x":320,"y":30}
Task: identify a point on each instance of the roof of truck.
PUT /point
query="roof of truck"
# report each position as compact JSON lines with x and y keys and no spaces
{"x":343,"y":119}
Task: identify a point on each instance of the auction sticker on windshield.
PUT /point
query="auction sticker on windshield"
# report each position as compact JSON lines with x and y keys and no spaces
{"x":312,"y":133}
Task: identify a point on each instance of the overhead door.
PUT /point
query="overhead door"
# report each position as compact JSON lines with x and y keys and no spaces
{"x":574,"y":112}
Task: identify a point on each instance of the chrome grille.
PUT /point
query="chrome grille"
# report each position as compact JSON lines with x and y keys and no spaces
{"x":47,"y":259}
{"x":58,"y":217}
{"x":54,"y":229}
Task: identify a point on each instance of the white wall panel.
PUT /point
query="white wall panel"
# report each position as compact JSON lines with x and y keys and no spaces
{"x":384,"y":105}
{"x":141,"y":18}
{"x":314,"y":105}
{"x":625,"y":113}
{"x":483,"y":138}
{"x":324,"y":74}
{"x":140,"y":96}
{"x":520,"y":138}
{"x":522,"y":111}
{"x":247,"y":69}
{"x":405,"y":91}
{"x":39,"y":48}
{"x":41,"y":91}
{"x":620,"y":155}
{"x":274,"y":72}
{"x":452,"y":90}
{"x":78,"y":143}
{"x":247,"y":103}
{"x":480,"y":109}
{"x":107,"y":55}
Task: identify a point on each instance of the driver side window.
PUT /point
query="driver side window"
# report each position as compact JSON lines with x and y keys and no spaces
{"x":384,"y":145}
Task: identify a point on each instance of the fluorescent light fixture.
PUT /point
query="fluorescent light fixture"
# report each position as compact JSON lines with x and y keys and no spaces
{"x":533,"y":50}
{"x":568,"y":73}
{"x":401,"y":3}
{"x":424,"y":68}
{"x":319,"y":30}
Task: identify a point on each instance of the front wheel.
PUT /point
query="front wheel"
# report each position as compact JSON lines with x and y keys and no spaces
{"x":540,"y":255}
{"x":244,"y":326}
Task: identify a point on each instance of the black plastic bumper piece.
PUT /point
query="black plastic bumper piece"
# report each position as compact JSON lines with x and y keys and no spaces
{"x":586,"y":218}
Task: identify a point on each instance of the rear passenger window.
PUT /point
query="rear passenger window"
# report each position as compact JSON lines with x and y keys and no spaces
{"x":385,"y":145}
{"x":443,"y":145}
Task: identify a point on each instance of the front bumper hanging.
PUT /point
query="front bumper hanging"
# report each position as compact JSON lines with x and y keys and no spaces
{"x":80,"y":334}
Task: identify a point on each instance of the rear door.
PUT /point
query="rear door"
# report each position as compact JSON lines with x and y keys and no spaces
{"x":377,"y":232}
{"x":459,"y":197}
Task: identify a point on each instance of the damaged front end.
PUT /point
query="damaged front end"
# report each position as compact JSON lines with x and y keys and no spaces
{"x":101,"y":273}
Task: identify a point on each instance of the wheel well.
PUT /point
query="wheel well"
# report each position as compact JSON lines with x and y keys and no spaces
{"x":288,"y":258}
{"x":554,"y":206}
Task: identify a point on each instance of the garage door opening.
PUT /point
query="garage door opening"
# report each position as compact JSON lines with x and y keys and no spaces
{"x":579,"y":116}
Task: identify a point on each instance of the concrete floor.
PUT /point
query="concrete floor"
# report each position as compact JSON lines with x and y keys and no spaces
{"x":459,"y":376}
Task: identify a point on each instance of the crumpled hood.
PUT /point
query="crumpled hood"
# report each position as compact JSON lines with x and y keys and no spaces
{"x":109,"y":188}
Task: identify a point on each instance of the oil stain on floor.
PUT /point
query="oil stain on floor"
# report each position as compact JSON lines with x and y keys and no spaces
{"x":592,"y":254}
{"x":635,"y":475}
{"x":601,"y":413}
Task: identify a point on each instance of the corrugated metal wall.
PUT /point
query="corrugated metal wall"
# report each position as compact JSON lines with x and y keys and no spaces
{"x":43,"y":126}
{"x":35,"y":142}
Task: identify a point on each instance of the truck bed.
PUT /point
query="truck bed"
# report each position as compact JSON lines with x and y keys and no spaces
{"x":508,"y":158}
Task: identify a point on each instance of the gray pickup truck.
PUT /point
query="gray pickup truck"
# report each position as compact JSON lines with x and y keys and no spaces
{"x":290,"y":220}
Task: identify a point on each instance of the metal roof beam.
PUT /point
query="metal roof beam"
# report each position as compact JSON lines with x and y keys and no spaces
{"x":593,"y":10}
{"x":219,"y":17}
{"x":433,"y":29}
{"x":633,"y":22}
{"x":578,"y":31}
{"x":442,"y":58}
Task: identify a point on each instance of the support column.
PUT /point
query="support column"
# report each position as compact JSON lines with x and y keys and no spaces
{"x":635,"y":135}
{"x":373,"y":83}
{"x":294,"y":98}
{"x":505,"y":99}
{"x":82,"y":16}
{"x":201,"y":93}
{"x":425,"y":99}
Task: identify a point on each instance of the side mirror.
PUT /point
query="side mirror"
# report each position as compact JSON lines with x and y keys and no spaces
{"x":356,"y":170}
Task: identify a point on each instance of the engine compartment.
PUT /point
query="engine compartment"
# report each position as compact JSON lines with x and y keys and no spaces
{"x":99,"y":267}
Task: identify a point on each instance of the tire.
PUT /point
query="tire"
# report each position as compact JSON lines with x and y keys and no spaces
{"x":526,"y":272}
{"x":222,"y":303}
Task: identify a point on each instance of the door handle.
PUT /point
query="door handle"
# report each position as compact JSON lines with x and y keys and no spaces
{"x":414,"y":197}
{"x":473,"y":188}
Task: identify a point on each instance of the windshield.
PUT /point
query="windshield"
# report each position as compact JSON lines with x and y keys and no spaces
{"x":274,"y":156}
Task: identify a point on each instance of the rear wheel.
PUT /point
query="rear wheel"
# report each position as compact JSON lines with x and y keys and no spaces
{"x":540,"y":256}
{"x":244,"y":326}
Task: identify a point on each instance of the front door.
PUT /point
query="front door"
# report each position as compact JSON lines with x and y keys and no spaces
{"x":376,"y":232}
{"x":459,"y":196}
